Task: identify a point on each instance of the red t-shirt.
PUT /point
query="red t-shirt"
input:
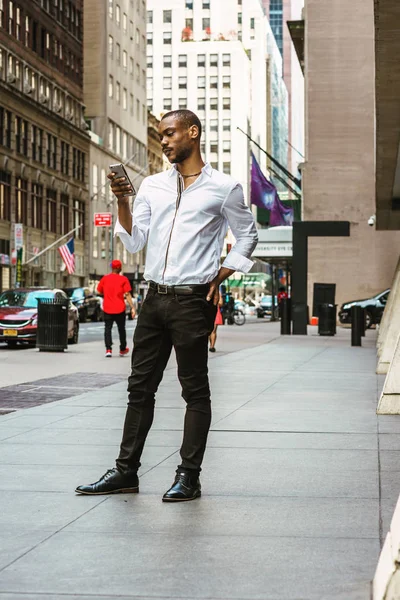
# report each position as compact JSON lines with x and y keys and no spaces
{"x":113,"y":287}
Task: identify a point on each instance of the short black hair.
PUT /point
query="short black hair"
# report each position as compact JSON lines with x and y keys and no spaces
{"x":188,"y":117}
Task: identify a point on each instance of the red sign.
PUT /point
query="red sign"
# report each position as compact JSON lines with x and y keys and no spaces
{"x":102,"y":219}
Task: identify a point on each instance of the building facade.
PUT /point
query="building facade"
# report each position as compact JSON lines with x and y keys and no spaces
{"x":44,"y":144}
{"x":116,"y":113}
{"x":214,"y":62}
{"x":155,"y":157}
{"x":340,"y":168}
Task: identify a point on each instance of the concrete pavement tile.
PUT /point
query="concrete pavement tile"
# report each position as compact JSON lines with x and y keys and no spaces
{"x":217,"y":515}
{"x":153,"y":564}
{"x":267,"y":439}
{"x":9,"y":432}
{"x":273,"y":419}
{"x":390,"y":461}
{"x":233,"y":481}
{"x":45,"y":478}
{"x":390,"y":485}
{"x":314,"y":400}
{"x":389,"y":441}
{"x":41,"y":511}
{"x":389,"y":423}
{"x":16,"y":543}
{"x":24,"y":419}
{"x":68,"y":455}
{"x":387,"y":510}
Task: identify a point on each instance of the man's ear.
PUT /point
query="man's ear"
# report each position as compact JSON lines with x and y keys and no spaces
{"x":194,"y":132}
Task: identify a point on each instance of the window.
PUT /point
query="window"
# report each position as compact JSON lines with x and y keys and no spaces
{"x":252,"y":24}
{"x":18,"y":23}
{"x":125,"y":22}
{"x":226,"y":168}
{"x":64,"y":159}
{"x":138,"y":72}
{"x":78,"y":215}
{"x":167,"y":37}
{"x":182,"y":83}
{"x":189,"y":4}
{"x":149,"y":38}
{"x":5,"y":196}
{"x":167,"y":61}
{"x":117,"y":15}
{"x":226,"y":103}
{"x":213,"y":103}
{"x":118,"y":93}
{"x":117,"y":139}
{"x":95,"y":242}
{"x":143,"y":78}
{"x":137,"y":109}
{"x":111,"y":8}
{"x":167,"y":83}
{"x":240,"y":18}
{"x":11,"y":18}
{"x":131,"y":104}
{"x":111,"y":135}
{"x":131,"y":67}
{"x":18,"y":133}
{"x":201,"y":104}
{"x":213,"y":125}
{"x":226,"y":60}
{"x":7,"y":128}
{"x":125,"y":60}
{"x":206,"y":4}
{"x":150,"y":16}
{"x":205,"y":23}
{"x":111,"y":46}
{"x":21,"y":201}
{"x":149,"y":62}
{"x":118,"y":53}
{"x":27,"y":31}
{"x":167,"y":16}
{"x":226,"y":125}
{"x":214,"y":147}
{"x":125,"y":99}
{"x":214,"y":82}
{"x":213,"y":60}
{"x":64,"y":214}
{"x":137,"y":37}
{"x":110,"y":86}
{"x":182,"y":60}
{"x":226,"y":81}
{"x":189,"y":24}
{"x":37,"y":205}
{"x":201,"y":60}
{"x":51,"y":211}
{"x":201,"y":82}
{"x":226,"y":145}
{"x":167,"y":103}
{"x":182,"y":102}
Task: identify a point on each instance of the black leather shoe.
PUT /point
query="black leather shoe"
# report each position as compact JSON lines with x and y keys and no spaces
{"x":185,"y":487}
{"x":112,"y":482}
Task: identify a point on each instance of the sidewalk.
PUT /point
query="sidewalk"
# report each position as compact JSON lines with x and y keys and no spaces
{"x":299,"y":481}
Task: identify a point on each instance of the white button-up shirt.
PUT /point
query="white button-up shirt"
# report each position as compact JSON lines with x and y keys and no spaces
{"x":184,"y":242}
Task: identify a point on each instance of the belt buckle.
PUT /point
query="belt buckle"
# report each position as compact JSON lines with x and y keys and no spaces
{"x":162,"y":288}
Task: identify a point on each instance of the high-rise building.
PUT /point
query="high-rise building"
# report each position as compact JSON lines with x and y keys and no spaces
{"x":213,"y":61}
{"x":44,"y":144}
{"x":116,"y":113}
{"x":279,"y":13}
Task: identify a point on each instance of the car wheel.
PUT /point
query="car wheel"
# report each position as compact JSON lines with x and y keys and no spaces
{"x":75,"y":337}
{"x":369,"y":321}
{"x":83,"y":316}
{"x":12,"y":343}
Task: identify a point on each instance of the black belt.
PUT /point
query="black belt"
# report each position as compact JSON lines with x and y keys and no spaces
{"x":160,"y":288}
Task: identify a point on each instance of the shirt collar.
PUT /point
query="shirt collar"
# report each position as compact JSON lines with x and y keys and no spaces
{"x":206,"y":169}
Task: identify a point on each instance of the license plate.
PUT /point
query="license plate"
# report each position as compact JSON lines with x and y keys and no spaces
{"x":10,"y":332}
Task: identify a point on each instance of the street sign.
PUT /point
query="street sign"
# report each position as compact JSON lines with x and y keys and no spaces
{"x":18,"y":271}
{"x":102,"y":219}
{"x":18,"y":235}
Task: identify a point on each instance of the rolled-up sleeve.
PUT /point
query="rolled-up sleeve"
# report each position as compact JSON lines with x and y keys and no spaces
{"x":242,"y":224}
{"x":137,"y":238}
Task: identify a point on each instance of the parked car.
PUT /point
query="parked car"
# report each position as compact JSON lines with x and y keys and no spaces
{"x":248,"y":308}
{"x":374,"y":308}
{"x":86,"y":302}
{"x":18,"y":315}
{"x":265,"y":307}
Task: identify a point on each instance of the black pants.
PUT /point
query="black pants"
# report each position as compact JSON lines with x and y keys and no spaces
{"x":165,"y":321}
{"x":109,"y":320}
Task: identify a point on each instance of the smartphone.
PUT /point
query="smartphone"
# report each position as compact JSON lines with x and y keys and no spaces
{"x":120,"y":171}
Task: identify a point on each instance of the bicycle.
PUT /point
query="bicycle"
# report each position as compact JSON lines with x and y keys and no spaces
{"x":235,"y":316}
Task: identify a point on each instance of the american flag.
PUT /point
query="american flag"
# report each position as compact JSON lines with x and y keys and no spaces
{"x":68,"y":256}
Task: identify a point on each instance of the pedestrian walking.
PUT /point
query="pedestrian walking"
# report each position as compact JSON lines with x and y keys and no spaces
{"x":115,"y":288}
{"x":183,"y":215}
{"x":218,"y":321}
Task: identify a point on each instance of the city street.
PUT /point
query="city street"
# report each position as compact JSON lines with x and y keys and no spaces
{"x":295,"y":490}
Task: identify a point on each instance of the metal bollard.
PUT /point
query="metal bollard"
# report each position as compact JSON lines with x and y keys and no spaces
{"x":356,"y":314}
{"x":286,"y":316}
{"x":362,"y":322}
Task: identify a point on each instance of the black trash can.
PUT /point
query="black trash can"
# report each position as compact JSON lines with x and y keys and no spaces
{"x":52,"y":327}
{"x":327,"y":319}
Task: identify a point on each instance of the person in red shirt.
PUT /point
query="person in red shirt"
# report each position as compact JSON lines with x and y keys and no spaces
{"x":114,"y":288}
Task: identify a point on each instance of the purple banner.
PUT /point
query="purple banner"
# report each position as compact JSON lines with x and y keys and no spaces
{"x":265,"y":195}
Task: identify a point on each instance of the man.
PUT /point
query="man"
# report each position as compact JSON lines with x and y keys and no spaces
{"x":183,"y":215}
{"x":114,"y":288}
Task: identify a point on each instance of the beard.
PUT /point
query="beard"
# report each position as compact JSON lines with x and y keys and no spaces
{"x":180,"y":155}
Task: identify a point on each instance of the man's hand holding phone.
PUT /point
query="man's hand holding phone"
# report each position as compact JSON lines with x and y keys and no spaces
{"x":121,"y":185}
